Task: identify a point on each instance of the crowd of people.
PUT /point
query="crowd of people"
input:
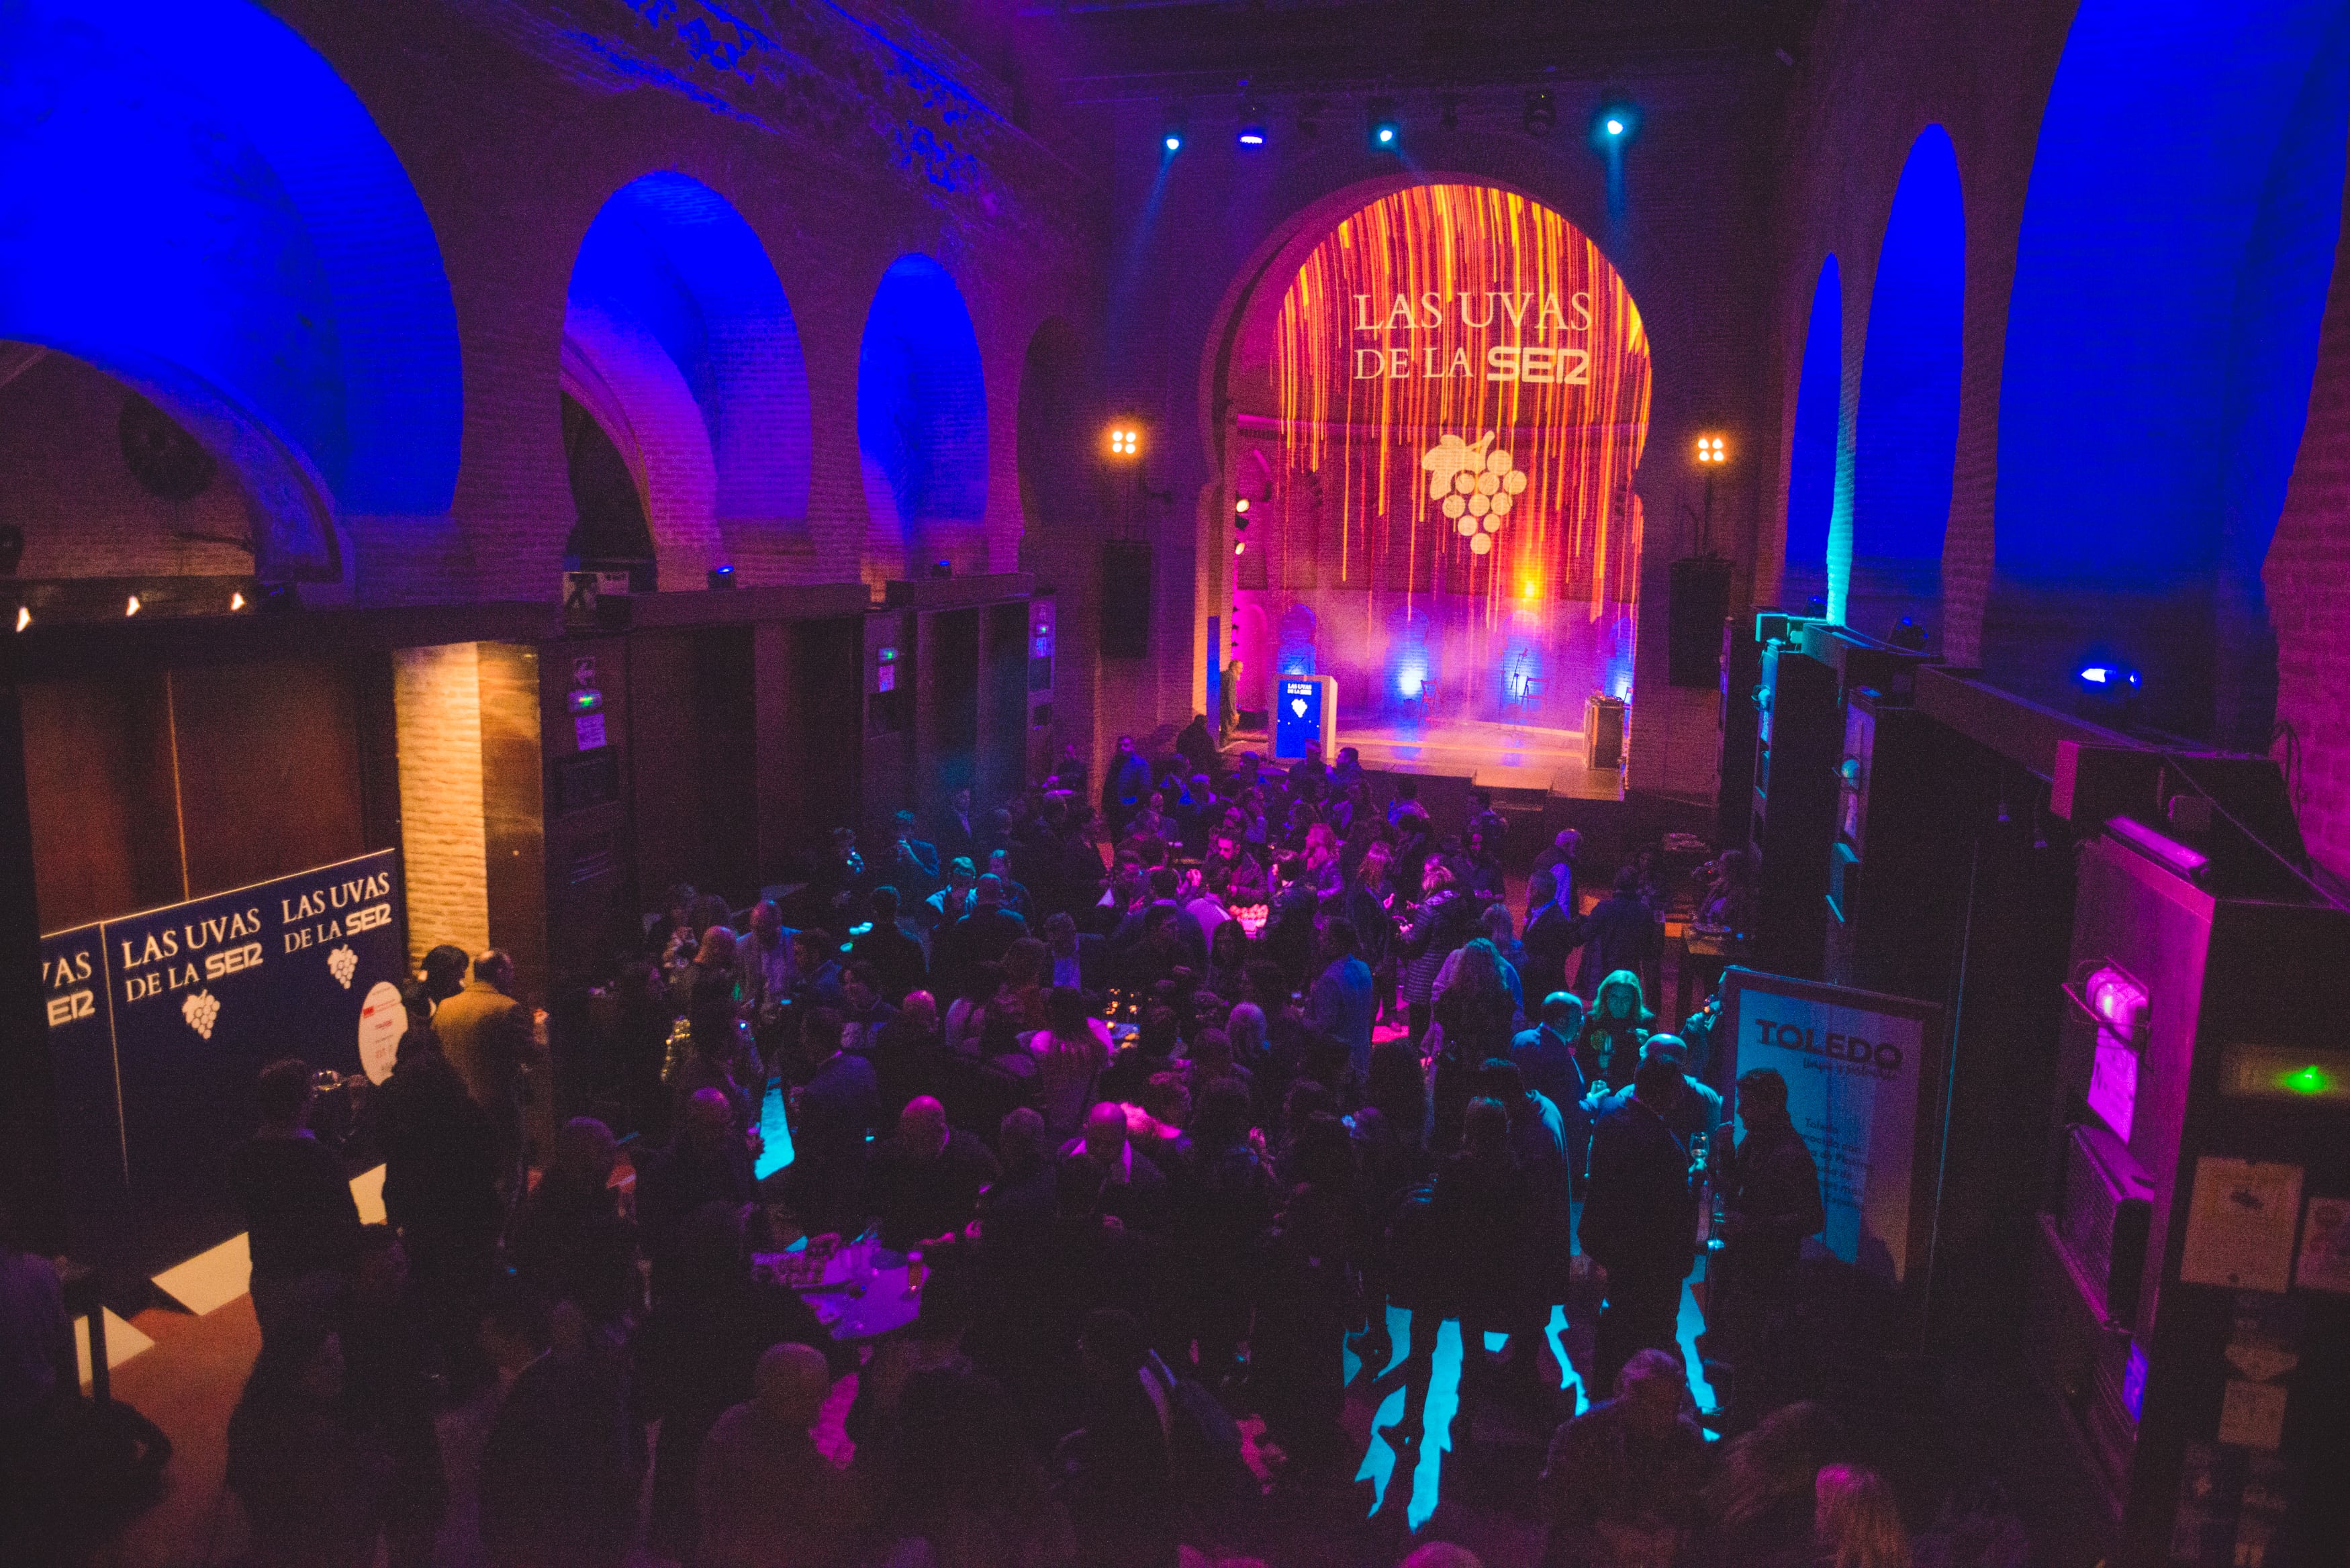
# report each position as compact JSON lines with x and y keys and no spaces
{"x":1173,"y":1100}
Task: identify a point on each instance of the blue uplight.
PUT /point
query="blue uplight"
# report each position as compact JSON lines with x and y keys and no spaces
{"x":1174,"y":143}
{"x":1252,"y":136}
{"x":1615,"y":127}
{"x":2109,"y":677}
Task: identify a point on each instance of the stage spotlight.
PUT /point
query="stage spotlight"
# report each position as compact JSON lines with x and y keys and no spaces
{"x":1252,"y":124}
{"x":1124,"y":440}
{"x":24,"y":618}
{"x":1709,"y":449}
{"x":1542,"y":112}
{"x":1173,"y":143}
{"x":1385,"y":127}
{"x":1448,"y":110}
{"x":131,"y":608}
{"x":1616,"y":123}
{"x":235,"y":602}
{"x":2108,"y":677}
{"x":1240,"y":549}
{"x":1241,"y":514}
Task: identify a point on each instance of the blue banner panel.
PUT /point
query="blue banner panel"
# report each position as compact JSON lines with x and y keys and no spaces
{"x":193,"y":1001}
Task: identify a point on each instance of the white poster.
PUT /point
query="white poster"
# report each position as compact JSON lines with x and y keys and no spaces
{"x":1852,"y":1060}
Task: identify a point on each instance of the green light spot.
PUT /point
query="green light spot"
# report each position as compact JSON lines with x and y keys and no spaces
{"x":2312,"y":1079}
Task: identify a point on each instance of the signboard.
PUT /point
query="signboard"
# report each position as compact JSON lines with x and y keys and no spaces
{"x":1857,"y":1065}
{"x":1305,"y":713}
{"x":160,"y":1020}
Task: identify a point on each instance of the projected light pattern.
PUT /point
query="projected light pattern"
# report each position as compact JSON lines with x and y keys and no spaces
{"x":921,"y":409}
{"x":1465,"y":317}
{"x":1812,"y":455}
{"x":198,"y":205}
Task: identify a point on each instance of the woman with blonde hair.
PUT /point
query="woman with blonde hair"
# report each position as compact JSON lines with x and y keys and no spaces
{"x":1855,"y":1521}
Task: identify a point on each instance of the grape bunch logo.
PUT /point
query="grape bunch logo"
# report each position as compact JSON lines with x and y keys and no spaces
{"x":1477,"y":484}
{"x":201,"y":1011}
{"x":342,"y":964}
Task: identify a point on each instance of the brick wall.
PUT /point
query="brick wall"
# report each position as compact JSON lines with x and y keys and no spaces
{"x":2307,"y":573}
{"x":437,"y":697}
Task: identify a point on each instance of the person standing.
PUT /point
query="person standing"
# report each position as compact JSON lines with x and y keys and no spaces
{"x":1622,"y":932}
{"x":1639,"y":1220}
{"x":485,"y":1033}
{"x":1341,"y":1002}
{"x":301,"y":1222}
{"x":1771,"y":1200}
{"x":768,"y":1498}
{"x":1550,"y":934}
{"x":1620,"y":1485}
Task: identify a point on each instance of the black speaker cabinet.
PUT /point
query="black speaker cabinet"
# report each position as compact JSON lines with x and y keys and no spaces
{"x":1800,"y":737}
{"x":1698,"y":603}
{"x":1124,"y":599}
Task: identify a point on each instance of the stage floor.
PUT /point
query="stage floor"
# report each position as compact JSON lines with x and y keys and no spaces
{"x":1489,"y":755}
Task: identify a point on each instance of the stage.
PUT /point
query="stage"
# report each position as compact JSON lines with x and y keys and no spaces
{"x":1489,"y":755}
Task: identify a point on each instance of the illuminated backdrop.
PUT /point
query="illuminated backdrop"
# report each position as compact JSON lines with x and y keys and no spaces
{"x":1450,"y":415}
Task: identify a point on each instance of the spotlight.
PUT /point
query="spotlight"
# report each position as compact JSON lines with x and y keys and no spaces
{"x":1173,"y":143}
{"x":1709,"y":449}
{"x":2111,"y":677}
{"x":1124,"y":440}
{"x":131,"y":608}
{"x":1241,"y":514}
{"x":721,"y":576}
{"x":1616,"y":123}
{"x":1240,"y":549}
{"x":1542,"y":112}
{"x":235,"y":602}
{"x":1384,"y":126}
{"x":1448,"y":110}
{"x":1252,"y":124}
{"x":24,"y":618}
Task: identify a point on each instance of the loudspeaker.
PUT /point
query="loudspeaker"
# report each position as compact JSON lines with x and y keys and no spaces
{"x":1124,"y":599}
{"x":1697,"y":604}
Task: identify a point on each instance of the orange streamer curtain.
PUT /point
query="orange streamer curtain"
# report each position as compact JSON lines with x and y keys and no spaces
{"x":1463,"y":379}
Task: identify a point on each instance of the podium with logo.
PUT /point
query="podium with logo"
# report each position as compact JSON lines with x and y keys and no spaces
{"x":1305,"y":713}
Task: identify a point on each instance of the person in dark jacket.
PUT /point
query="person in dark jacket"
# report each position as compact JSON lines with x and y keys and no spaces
{"x":1639,"y":1220}
{"x":1771,"y":1198}
{"x":895,"y":954}
{"x":310,"y":1477}
{"x":389,"y":1391}
{"x":1622,"y":932}
{"x":923,"y":1182}
{"x":571,"y":1242}
{"x":706,"y":1162}
{"x":699,"y":1352}
{"x":443,"y":1160}
{"x":303,"y":1224}
{"x":1549,"y":938}
{"x":564,"y":1462}
{"x":1221,"y":1215}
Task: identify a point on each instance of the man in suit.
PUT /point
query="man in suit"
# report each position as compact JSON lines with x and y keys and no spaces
{"x":1639,"y":1220}
{"x":486,"y":1035}
{"x":1077,"y":958}
{"x":1690,"y":1110}
{"x":1546,"y":1059}
{"x":958,"y":834}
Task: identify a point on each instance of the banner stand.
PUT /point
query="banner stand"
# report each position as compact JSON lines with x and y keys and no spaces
{"x":1865,"y":1082}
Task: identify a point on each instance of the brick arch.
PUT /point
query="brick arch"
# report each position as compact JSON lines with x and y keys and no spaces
{"x":1816,"y":446}
{"x":198,"y":205}
{"x":1887,"y":561}
{"x":2177,"y":246}
{"x":921,"y":419}
{"x":678,"y":339}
